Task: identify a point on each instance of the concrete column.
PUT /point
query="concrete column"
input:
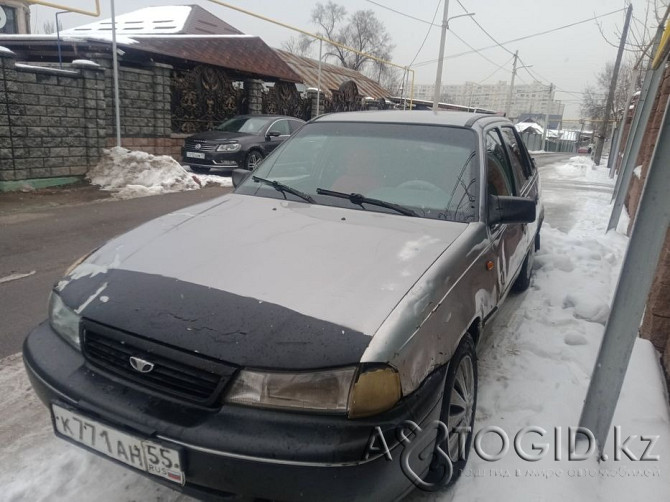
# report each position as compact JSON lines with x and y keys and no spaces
{"x":93,"y":90}
{"x":254,"y":90}
{"x":7,"y":85}
{"x":162,"y":100}
{"x":312,"y":95}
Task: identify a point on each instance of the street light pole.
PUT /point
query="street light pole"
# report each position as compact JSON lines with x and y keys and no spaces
{"x":438,"y":76}
{"x":60,"y":54}
{"x":115,"y":71}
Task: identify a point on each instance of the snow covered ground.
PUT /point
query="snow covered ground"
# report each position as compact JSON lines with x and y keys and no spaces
{"x":534,"y":367}
{"x":132,"y":174}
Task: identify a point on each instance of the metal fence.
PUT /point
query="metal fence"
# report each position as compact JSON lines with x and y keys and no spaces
{"x":534,"y":143}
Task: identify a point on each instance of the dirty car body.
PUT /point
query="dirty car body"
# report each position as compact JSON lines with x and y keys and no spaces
{"x":273,"y":377}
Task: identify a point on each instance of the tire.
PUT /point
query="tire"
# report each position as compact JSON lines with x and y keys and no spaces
{"x":200,"y":170}
{"x":458,"y":412}
{"x":523,"y":281}
{"x":252,"y":159}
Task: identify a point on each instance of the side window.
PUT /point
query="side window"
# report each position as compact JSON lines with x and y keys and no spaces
{"x":295,"y":125}
{"x":281,"y":126}
{"x":498,"y":177}
{"x":517,"y":158}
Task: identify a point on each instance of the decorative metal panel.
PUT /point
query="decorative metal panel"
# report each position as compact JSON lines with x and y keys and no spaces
{"x":203,"y":97}
{"x":348,"y":99}
{"x":284,"y":99}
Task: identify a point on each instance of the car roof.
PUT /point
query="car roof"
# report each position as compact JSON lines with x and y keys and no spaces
{"x":267,"y":116}
{"x":425,"y":117}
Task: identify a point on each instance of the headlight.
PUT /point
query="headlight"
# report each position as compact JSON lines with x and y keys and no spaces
{"x":228,"y":147}
{"x":375,"y":391}
{"x":64,"y":320}
{"x":319,"y":390}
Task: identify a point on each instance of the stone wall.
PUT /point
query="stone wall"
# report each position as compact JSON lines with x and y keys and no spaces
{"x":54,"y":122}
{"x":144,"y":95}
{"x":51,"y":125}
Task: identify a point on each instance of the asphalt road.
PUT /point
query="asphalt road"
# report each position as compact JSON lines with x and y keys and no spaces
{"x":42,"y":234}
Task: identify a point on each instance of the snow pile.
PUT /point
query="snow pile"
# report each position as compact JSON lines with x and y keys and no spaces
{"x":578,"y":167}
{"x":138,"y":174}
{"x":638,"y":172}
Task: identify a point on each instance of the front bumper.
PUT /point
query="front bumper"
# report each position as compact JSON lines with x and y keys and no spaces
{"x":243,"y":450}
{"x":214,"y":159}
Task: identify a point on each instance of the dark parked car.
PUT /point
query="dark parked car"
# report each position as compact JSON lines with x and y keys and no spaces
{"x":376,"y":247}
{"x":242,"y":141}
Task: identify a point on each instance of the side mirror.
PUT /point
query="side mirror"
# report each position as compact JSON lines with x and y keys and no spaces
{"x":505,"y":209}
{"x":239,"y":175}
{"x":273,"y":134}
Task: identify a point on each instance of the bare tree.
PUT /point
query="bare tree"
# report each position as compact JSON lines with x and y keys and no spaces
{"x":361,"y":31}
{"x":300,"y":46}
{"x":50,"y":27}
{"x":595,"y":96}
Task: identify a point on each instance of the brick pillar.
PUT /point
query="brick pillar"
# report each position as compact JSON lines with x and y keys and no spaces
{"x":93,"y":87}
{"x":254,"y":90}
{"x":7,"y":86}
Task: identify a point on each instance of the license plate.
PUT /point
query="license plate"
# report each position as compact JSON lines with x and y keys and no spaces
{"x":144,"y":455}
{"x":195,"y":155}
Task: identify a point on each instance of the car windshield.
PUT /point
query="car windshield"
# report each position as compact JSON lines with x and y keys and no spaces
{"x":427,"y":169}
{"x":251,"y":125}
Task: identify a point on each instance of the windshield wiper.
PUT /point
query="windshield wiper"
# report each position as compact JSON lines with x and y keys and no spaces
{"x":359,"y":200}
{"x":281,"y":187}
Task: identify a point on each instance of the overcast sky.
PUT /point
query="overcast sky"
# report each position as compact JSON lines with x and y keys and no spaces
{"x":569,"y":58}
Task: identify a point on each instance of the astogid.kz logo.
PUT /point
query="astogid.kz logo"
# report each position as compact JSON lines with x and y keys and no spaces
{"x":430,"y":455}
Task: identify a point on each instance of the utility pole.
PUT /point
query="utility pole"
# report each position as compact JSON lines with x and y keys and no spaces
{"x":510,"y":93}
{"x":546,"y":120}
{"x":610,"y":97}
{"x":438,"y":76}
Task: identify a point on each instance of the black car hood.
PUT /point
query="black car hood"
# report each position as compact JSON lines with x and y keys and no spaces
{"x":259,"y":282}
{"x":220,"y":136}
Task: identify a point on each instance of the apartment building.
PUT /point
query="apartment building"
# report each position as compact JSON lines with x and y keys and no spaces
{"x":535,"y":98}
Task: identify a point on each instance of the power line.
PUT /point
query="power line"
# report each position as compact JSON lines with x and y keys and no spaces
{"x":423,"y":63}
{"x":496,"y":71}
{"x":482,"y":28}
{"x":431,"y":24}
{"x":498,"y":66}
{"x":427,"y":33}
{"x":404,"y":14}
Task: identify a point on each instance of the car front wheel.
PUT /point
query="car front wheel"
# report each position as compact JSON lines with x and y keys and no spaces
{"x":252,"y":159}
{"x":458,"y":414}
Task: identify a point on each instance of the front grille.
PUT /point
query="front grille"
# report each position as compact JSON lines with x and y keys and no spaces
{"x":189,"y":144}
{"x":176,"y":373}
